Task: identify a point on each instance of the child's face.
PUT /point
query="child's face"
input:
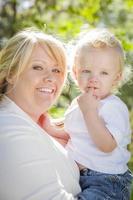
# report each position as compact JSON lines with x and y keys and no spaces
{"x":98,"y":69}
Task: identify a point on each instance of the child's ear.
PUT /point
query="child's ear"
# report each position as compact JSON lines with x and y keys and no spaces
{"x":118,"y":78}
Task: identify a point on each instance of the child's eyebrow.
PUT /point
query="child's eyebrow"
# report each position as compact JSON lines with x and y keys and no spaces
{"x":85,"y":66}
{"x":103,"y":69}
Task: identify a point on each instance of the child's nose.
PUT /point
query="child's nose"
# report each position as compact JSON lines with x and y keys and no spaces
{"x":93,"y":80}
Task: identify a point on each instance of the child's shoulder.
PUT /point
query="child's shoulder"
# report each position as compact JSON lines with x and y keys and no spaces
{"x":73,"y":106}
{"x":113,"y":103}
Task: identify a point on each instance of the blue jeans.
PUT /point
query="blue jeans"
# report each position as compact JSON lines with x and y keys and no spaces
{"x":102,"y":186}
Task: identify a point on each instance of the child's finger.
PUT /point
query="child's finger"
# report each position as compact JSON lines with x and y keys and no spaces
{"x":91,"y":91}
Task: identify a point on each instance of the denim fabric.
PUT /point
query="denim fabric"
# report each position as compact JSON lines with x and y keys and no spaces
{"x":102,"y":186}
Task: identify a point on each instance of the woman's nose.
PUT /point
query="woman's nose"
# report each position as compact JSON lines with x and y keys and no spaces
{"x":48,"y":80}
{"x":48,"y":77}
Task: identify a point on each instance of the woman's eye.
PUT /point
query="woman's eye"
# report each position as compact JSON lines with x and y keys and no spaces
{"x":37,"y":67}
{"x":55,"y":70}
{"x":86,"y":71}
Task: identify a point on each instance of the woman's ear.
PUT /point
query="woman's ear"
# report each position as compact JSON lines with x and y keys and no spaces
{"x":10,"y":79}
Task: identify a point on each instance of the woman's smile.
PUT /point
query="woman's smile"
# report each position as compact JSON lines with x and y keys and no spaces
{"x":47,"y":90}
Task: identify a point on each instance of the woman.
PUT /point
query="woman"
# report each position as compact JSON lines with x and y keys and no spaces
{"x":33,"y":166}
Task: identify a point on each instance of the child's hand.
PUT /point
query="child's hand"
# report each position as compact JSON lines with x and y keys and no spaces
{"x":88,"y":101}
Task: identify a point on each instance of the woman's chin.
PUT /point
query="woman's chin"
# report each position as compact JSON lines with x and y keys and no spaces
{"x":47,"y":103}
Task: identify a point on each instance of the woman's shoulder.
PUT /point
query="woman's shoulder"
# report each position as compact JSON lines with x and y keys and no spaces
{"x":12,"y":116}
{"x":14,"y":125}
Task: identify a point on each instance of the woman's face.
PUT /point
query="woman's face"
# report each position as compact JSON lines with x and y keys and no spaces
{"x":39,"y":85}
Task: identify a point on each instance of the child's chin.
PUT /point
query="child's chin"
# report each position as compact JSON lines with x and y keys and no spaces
{"x":104,"y":96}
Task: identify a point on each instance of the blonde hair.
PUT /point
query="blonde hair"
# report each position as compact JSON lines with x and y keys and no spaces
{"x":15,"y":55}
{"x":99,"y":39}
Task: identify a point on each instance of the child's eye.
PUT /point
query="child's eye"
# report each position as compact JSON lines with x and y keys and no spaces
{"x":104,"y":73}
{"x":37,"y":67}
{"x":56,"y":70}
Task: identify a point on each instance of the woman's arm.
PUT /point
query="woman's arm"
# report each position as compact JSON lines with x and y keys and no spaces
{"x":29,"y":169}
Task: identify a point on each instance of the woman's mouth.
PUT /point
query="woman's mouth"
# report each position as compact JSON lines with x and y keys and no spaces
{"x":45,"y":90}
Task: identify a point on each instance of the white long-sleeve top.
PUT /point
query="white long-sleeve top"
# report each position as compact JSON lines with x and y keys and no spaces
{"x":33,"y":166}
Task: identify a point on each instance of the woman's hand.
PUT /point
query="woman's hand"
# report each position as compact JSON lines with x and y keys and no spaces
{"x":55,"y":129}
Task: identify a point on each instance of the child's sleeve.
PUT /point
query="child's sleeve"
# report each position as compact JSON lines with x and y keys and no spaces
{"x":116,"y":118}
{"x":72,"y":106}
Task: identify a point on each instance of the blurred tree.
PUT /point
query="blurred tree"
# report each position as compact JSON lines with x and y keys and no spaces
{"x":7,"y":18}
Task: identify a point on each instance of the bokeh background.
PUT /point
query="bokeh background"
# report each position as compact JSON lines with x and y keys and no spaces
{"x":66,"y":19}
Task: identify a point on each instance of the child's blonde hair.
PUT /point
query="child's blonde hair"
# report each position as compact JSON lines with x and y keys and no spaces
{"x":15,"y":55}
{"x":99,"y":39}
